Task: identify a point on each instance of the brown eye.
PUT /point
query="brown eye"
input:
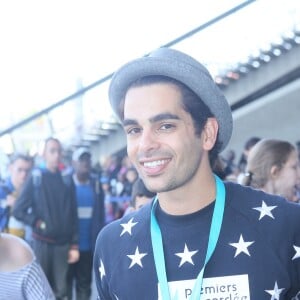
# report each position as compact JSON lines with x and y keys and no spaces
{"x":166,"y":126}
{"x":133,"y":130}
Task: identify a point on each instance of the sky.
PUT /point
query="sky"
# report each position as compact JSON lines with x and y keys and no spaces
{"x":48,"y":47}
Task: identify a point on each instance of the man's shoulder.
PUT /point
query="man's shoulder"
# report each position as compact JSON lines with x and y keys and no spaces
{"x":19,"y":255}
{"x":118,"y":237}
{"x":245,"y":199}
{"x":238,"y":191}
{"x":127,"y":223}
{"x":5,"y":187}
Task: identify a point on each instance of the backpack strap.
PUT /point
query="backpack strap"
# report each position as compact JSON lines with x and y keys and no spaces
{"x":37,"y":181}
{"x":67,"y":179}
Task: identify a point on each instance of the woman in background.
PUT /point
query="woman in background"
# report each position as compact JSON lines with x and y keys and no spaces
{"x":273,"y":167}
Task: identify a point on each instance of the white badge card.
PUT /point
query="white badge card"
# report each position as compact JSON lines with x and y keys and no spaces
{"x":215,"y":288}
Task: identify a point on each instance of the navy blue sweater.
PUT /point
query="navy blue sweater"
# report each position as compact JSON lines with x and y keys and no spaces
{"x":257,"y":255}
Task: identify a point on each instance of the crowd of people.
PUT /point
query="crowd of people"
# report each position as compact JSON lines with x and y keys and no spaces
{"x":59,"y":209}
{"x":62,"y":229}
{"x":55,"y":212}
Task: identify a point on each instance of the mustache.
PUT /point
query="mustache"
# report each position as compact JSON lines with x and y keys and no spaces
{"x":153,"y":153}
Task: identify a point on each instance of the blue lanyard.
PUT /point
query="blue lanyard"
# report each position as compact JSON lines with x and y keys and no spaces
{"x":158,"y":251}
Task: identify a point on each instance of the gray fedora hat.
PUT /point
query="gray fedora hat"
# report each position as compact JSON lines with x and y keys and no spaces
{"x":182,"y":67}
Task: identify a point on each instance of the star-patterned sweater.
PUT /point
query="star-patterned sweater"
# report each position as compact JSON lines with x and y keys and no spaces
{"x":257,"y":256}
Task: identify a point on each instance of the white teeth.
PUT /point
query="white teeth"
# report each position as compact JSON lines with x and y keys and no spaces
{"x":152,"y":164}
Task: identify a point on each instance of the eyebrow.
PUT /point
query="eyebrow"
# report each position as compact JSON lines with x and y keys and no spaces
{"x":157,"y":118}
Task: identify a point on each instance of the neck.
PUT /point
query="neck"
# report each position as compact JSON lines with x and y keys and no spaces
{"x":52,"y":169}
{"x":15,"y":184}
{"x":191,"y":197}
{"x":269,"y":188}
{"x":82,"y":178}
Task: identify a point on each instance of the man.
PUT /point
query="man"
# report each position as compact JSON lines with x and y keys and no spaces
{"x":202,"y":237}
{"x":21,"y":277}
{"x":19,"y":169}
{"x":48,"y":204}
{"x":91,"y":215}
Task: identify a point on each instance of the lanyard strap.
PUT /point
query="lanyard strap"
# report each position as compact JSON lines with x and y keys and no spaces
{"x":158,"y":251}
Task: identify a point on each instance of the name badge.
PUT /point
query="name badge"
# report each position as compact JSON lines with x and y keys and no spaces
{"x":215,"y":288}
{"x":85,"y":212}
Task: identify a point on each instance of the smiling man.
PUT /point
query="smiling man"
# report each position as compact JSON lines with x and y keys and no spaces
{"x":200,"y":237}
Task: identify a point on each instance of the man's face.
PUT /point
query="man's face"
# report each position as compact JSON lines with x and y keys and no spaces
{"x":83,"y":165}
{"x":161,"y":140}
{"x":52,"y":154}
{"x":131,"y":175}
{"x":19,"y":171}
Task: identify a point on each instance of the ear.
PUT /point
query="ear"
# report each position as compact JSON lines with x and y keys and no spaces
{"x":274,"y":171}
{"x":209,"y":133}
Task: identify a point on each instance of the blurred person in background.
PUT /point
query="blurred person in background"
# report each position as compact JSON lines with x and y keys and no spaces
{"x":230,"y":168}
{"x":140,"y":196}
{"x":273,"y":167}
{"x":91,"y":219}
{"x":244,"y":156}
{"x":19,"y":169}
{"x":219,"y":167}
{"x":47,"y":203}
{"x":21,"y":277}
{"x":131,"y":176}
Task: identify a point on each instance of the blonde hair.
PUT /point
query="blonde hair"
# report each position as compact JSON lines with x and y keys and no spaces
{"x":266,"y":154}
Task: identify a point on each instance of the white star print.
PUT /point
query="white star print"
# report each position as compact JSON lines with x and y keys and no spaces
{"x":297,"y":254}
{"x":136,"y":258}
{"x":265,"y":210}
{"x":101,"y":269}
{"x":275,"y":293}
{"x":241,"y":246}
{"x":128,"y":226}
{"x":186,"y":256}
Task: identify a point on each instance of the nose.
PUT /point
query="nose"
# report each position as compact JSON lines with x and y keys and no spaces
{"x":148,"y":141}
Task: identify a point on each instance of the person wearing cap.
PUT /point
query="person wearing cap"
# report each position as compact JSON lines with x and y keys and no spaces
{"x":200,"y":237}
{"x":47,"y":203}
{"x":91,"y":219}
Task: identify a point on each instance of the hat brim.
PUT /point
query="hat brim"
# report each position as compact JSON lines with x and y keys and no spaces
{"x":179,"y":66}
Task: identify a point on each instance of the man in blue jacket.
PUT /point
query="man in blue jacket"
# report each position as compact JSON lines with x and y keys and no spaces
{"x":91,"y":217}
